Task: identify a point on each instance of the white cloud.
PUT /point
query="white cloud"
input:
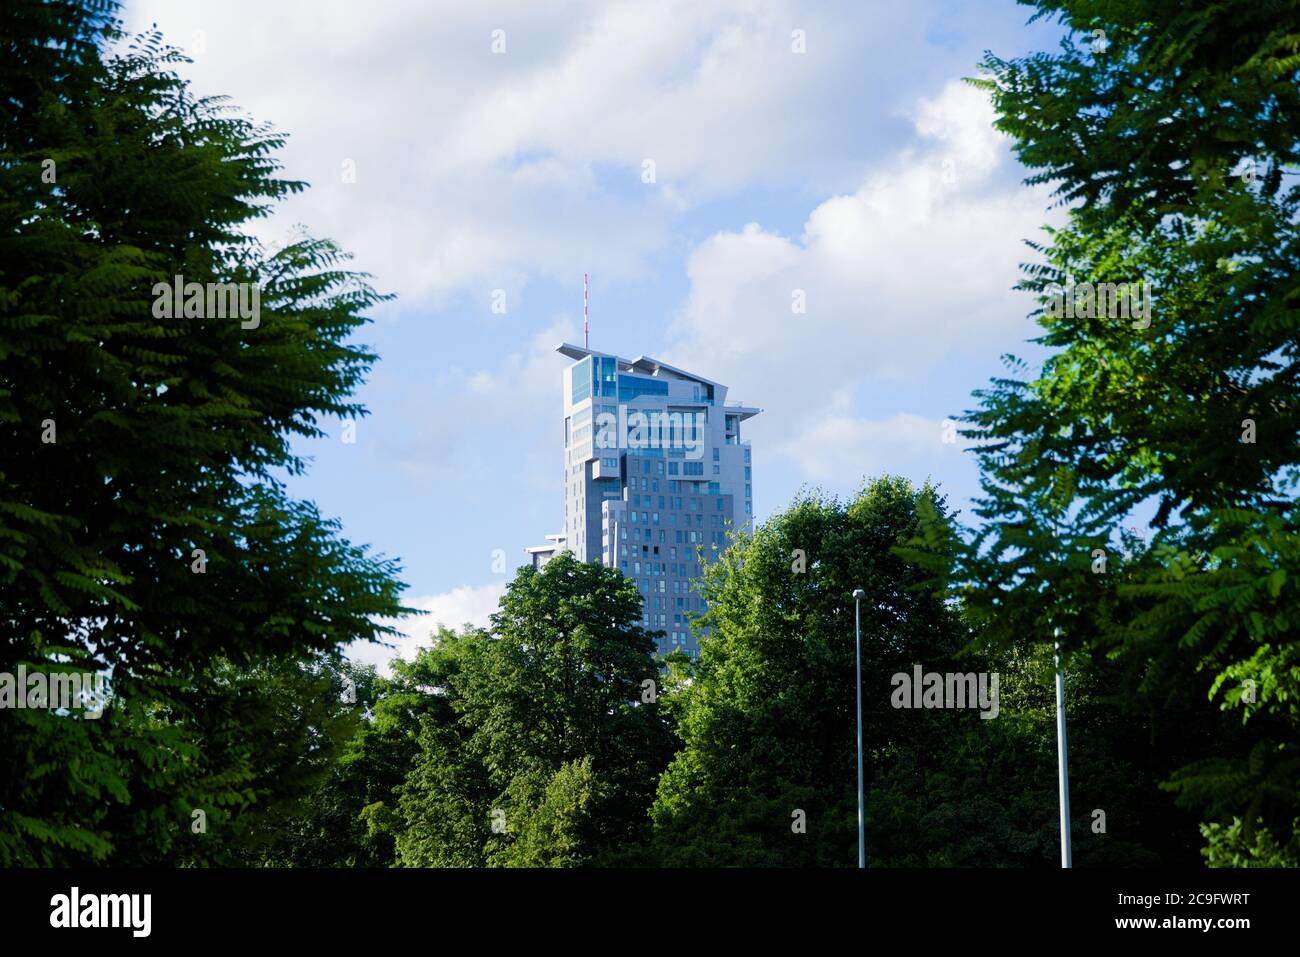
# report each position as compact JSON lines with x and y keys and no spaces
{"x":452,"y":609}
{"x":477,"y":170}
{"x":913,"y":268}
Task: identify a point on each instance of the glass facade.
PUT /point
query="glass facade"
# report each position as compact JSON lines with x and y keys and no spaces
{"x":629,"y":387}
{"x":581,"y":375}
{"x":605,"y":376}
{"x":595,"y":376}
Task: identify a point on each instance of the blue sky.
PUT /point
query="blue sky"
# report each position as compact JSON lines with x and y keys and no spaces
{"x":827,"y":148}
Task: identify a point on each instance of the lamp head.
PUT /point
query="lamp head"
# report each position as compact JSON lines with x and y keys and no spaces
{"x":859,"y":594}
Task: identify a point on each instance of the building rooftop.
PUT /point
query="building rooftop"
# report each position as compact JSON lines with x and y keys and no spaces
{"x":648,"y":365}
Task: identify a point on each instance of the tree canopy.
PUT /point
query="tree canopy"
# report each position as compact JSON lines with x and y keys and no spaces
{"x":1170,"y":131}
{"x":144,"y":531}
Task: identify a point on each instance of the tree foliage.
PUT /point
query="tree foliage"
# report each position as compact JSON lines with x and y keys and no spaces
{"x":132,"y":443}
{"x":767,"y":772}
{"x":551,"y":743}
{"x":1171,"y":132}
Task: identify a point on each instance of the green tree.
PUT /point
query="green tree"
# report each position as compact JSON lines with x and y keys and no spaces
{"x":1171,"y":131}
{"x":143,"y":529}
{"x":554,"y":741}
{"x":767,"y":773}
{"x":557,"y":828}
{"x":767,"y":723}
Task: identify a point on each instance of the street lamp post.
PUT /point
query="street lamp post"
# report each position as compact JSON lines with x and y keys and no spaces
{"x":1062,"y":755}
{"x":858,"y":595}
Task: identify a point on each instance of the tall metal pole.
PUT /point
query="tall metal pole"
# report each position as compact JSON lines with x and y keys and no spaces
{"x":1062,"y":755}
{"x":857,"y":658}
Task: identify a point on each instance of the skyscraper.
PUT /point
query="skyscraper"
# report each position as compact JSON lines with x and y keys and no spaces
{"x":656,"y":476}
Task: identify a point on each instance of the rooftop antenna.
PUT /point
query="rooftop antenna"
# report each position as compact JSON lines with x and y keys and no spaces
{"x":586,"y":329}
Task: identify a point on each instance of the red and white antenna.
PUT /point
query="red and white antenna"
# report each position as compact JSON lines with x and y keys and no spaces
{"x":586,"y":329}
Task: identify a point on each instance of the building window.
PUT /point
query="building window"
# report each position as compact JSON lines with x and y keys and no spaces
{"x":630,"y":387}
{"x":607,"y":375}
{"x":581,"y":375}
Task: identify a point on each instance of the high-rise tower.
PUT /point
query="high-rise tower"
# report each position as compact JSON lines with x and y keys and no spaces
{"x":656,"y":476}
